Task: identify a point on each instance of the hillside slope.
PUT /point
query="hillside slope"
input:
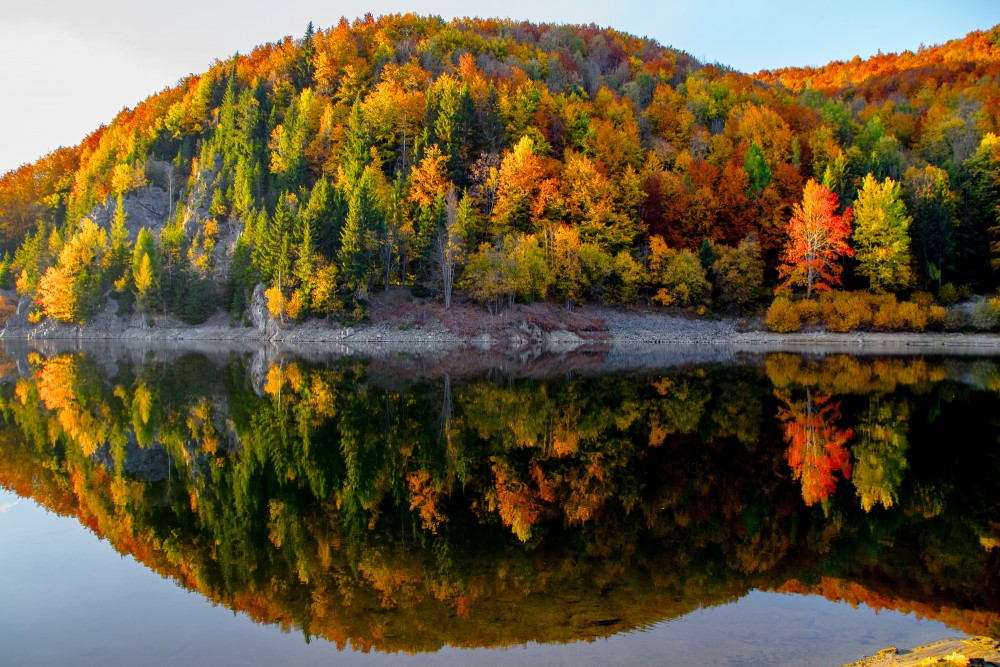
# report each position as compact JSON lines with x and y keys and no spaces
{"x":514,"y":161}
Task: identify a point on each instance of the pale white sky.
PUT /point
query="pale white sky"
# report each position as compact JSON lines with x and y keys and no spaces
{"x":67,"y":66}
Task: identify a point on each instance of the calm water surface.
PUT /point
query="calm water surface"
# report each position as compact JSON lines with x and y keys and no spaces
{"x":210,"y":509}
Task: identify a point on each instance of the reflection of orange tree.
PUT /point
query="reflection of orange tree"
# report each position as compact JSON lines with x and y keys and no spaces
{"x":816,"y":447}
{"x":881,"y":445}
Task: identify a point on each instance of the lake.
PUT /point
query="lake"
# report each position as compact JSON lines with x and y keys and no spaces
{"x":235,"y":507}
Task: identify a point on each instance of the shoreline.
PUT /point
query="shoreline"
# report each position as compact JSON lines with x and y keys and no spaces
{"x":950,"y":652}
{"x":604,"y":328}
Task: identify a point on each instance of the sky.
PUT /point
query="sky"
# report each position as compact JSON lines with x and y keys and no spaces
{"x":67,"y":67}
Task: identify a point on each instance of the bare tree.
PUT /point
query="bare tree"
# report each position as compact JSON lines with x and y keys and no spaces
{"x":484,"y":185}
{"x":449,"y":246}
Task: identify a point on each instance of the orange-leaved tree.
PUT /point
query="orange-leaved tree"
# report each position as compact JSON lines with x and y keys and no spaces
{"x":817,"y":240}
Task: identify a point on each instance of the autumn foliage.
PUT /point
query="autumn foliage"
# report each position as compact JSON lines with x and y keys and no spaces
{"x":816,"y":446}
{"x":319,"y":168}
{"x":817,"y":240}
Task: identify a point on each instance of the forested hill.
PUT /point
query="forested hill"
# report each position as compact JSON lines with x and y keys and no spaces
{"x":508,"y":161}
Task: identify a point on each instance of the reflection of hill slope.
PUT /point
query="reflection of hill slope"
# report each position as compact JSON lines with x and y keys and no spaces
{"x":404,"y":516}
{"x":396,"y":599}
{"x":969,"y":621}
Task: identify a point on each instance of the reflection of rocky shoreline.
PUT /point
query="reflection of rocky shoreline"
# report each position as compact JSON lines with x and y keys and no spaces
{"x":393,"y":362}
{"x":405,"y":504}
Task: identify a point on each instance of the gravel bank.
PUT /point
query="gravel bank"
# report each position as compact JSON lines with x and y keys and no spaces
{"x":420,"y":328}
{"x":644,"y":329}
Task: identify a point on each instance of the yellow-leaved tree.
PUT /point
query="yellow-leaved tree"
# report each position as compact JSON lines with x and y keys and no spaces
{"x":881,"y":234}
{"x":71,"y":290}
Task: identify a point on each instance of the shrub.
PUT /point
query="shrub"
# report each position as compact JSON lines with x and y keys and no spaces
{"x":985,"y":314}
{"x":783,"y":316}
{"x":923,"y":299}
{"x":886,"y":315}
{"x":809,"y":312}
{"x":956,"y":319}
{"x":936,"y":316}
{"x":866,"y":303}
{"x":951,"y":294}
{"x":911,"y":316}
{"x":844,"y":311}
{"x":851,"y":311}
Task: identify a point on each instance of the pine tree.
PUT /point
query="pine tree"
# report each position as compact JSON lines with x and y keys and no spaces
{"x":277,"y":240}
{"x":307,"y":49}
{"x":356,"y":153}
{"x":364,"y":218}
{"x":305,"y":265}
{"x":117,"y":258}
{"x":934,"y":206}
{"x":321,"y":212}
{"x":144,"y":278}
{"x":756,"y":167}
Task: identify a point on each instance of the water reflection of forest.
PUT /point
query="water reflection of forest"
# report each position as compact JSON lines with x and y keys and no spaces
{"x":405,"y":513}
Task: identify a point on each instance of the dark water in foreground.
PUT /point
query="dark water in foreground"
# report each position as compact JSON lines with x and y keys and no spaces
{"x":772,"y":510}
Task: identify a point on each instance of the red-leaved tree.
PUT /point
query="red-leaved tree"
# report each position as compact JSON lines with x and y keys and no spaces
{"x":817,"y":240}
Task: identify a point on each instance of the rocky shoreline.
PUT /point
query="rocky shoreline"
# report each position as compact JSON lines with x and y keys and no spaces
{"x":621,"y":330}
{"x":956,"y":652}
{"x":415,"y":327}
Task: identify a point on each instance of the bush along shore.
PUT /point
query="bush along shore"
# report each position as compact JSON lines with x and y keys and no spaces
{"x":863,"y":311}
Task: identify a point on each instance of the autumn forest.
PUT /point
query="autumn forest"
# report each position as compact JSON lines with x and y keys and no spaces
{"x":505,"y":162}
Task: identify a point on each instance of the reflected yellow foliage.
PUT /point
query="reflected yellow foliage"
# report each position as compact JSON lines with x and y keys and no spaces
{"x":57,"y":392}
{"x":843,"y":374}
{"x":880,"y":453}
